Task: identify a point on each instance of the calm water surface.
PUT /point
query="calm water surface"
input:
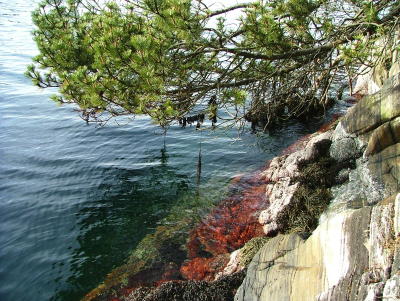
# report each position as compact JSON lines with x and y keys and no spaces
{"x":75,"y":198}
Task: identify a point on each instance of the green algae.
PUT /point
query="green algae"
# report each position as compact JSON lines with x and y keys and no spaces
{"x":166,"y":245}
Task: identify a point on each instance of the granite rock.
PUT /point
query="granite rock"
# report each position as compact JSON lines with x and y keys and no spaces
{"x":282,"y":173}
{"x":354,"y":253}
{"x":291,"y":268}
{"x":375,"y":109}
{"x":391,"y":291}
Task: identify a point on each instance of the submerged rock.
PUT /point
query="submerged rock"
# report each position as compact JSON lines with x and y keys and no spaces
{"x":222,"y":289}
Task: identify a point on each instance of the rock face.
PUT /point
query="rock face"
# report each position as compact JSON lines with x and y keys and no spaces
{"x":374,"y":109}
{"x":321,"y":222}
{"x":284,"y":181}
{"x":354,"y":253}
{"x":291,"y":268}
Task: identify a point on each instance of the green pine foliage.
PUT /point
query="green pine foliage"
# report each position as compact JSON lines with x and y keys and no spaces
{"x":164,"y":58}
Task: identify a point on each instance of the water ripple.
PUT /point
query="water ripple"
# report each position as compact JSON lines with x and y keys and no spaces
{"x":75,"y":198}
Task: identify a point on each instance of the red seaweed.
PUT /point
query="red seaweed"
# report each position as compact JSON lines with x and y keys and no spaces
{"x":232,"y":223}
{"x":227,"y":227}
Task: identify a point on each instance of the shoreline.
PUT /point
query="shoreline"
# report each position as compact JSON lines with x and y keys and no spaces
{"x":287,"y":210}
{"x":231,"y":224}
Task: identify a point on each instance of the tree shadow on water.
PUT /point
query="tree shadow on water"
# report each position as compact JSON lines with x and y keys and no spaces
{"x":125,"y":207}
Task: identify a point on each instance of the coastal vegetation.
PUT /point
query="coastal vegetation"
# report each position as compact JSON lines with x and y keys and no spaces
{"x":181,"y":61}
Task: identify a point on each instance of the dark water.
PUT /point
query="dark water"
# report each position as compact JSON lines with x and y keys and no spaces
{"x":75,"y":199}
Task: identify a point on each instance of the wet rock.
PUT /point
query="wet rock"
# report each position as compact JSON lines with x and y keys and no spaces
{"x":221,"y":290}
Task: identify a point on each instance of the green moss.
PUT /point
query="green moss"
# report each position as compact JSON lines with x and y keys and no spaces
{"x":250,"y":249}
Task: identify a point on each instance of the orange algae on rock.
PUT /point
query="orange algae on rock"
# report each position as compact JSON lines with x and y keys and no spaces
{"x":234,"y":221}
{"x":200,"y":268}
{"x":226,"y":228}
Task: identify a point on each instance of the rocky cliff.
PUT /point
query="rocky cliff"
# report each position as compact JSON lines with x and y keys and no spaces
{"x":320,"y":222}
{"x":334,"y":213}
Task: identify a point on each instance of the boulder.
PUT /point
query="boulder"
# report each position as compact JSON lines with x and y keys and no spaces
{"x":291,"y":268}
{"x":375,"y":109}
{"x":384,"y":136}
{"x":385,"y":167}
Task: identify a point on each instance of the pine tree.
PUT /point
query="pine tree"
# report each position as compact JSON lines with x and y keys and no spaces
{"x":167,"y":58}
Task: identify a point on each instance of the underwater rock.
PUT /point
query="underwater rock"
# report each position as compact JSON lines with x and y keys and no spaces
{"x":232,"y":223}
{"x":200,"y":268}
{"x":222,"y":289}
